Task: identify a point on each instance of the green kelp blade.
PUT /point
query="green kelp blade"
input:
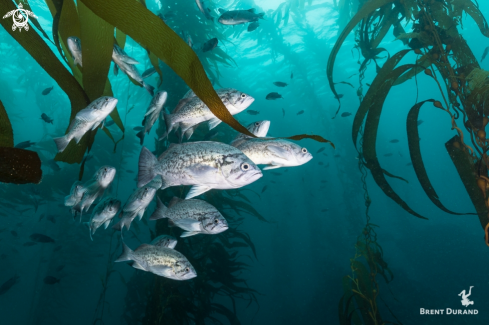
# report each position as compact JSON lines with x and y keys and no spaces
{"x":371,"y":94}
{"x":155,"y":36}
{"x":19,"y":166}
{"x":58,"y":7}
{"x":467,"y":171}
{"x":40,"y":51}
{"x":6,"y":131}
{"x":416,"y":158}
{"x":366,"y":10}
{"x":370,"y":137}
{"x":474,"y":12}
{"x":34,"y":21}
{"x":155,"y":63}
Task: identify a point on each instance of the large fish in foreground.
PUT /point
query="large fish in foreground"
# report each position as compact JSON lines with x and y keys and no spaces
{"x":162,"y":261}
{"x":85,"y":120}
{"x":126,"y":64}
{"x":193,"y":216}
{"x":205,"y":165}
{"x":274,"y":153}
{"x":137,"y":203}
{"x":103,"y":213}
{"x":74,"y":45}
{"x":192,"y":111}
{"x":152,"y":113}
{"x":258,"y":128}
{"x":236,"y":17}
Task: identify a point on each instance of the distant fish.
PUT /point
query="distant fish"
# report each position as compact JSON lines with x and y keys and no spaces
{"x":203,"y":9}
{"x":148,"y":73}
{"x":273,"y":96}
{"x":210,"y":45}
{"x":51,"y":218}
{"x":321,"y":149}
{"x":29,"y":243}
{"x":345,"y":114}
{"x":40,"y":238}
{"x":129,"y":171}
{"x":283,"y":112}
{"x":57,"y":248}
{"x":236,"y":17}
{"x":14,"y":233}
{"x":300,"y":112}
{"x":51,"y":163}
{"x":74,"y":45}
{"x":324,"y":210}
{"x":394,"y":141}
{"x":46,"y":118}
{"x":59,"y":268}
{"x":339,"y":96}
{"x":24,"y":144}
{"x":320,"y":163}
{"x":264,"y":188}
{"x":8,"y":284}
{"x":388,"y":155}
{"x":420,"y":122}
{"x":486,"y":51}
{"x":280,"y":84}
{"x":47,"y":90}
{"x":51,"y":280}
{"x":409,"y":164}
{"x":253,"y":26}
{"x":336,"y":156}
{"x":252,"y":112}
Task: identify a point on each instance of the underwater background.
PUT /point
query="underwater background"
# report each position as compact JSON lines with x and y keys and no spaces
{"x":292,"y":234}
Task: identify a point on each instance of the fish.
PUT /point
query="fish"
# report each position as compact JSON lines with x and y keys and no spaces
{"x":137,"y":203}
{"x":345,"y":114}
{"x":87,"y":119}
{"x":210,"y":44}
{"x":24,"y":144}
{"x":162,"y":261}
{"x":152,"y":113}
{"x":76,"y":193}
{"x":74,"y":46}
{"x":47,"y":90}
{"x":276,"y":174}
{"x":338,"y":96}
{"x":148,"y":73}
{"x":264,"y":188}
{"x":59,"y":268}
{"x":394,"y":141}
{"x":258,"y":128}
{"x":324,"y":210}
{"x":46,"y":118}
{"x":40,"y":238}
{"x":164,"y":241}
{"x":51,"y":280}
{"x":419,"y":122}
{"x":29,"y":243}
{"x":273,"y":96}
{"x":321,"y":149}
{"x":283,"y":112}
{"x":280,"y":84}
{"x":14,"y":233}
{"x":409,"y":164}
{"x":252,"y":112}
{"x":212,"y":134}
{"x":3,"y":256}
{"x":57,"y":248}
{"x":388,"y":155}
{"x":129,"y":171}
{"x":237,"y":17}
{"x":51,"y":163}
{"x":103,"y":213}
{"x":275,"y":153}
{"x":300,"y":112}
{"x":205,"y":165}
{"x":484,"y":54}
{"x":320,"y":163}
{"x":127,"y":65}
{"x":337,"y":156}
{"x":192,"y":111}
{"x":8,"y":284}
{"x":254,"y":25}
{"x":193,"y":216}
{"x":203,"y":9}
{"x":51,"y":218}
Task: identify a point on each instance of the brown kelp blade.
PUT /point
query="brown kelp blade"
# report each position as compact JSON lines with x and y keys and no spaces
{"x":467,"y":170}
{"x":366,"y":10}
{"x":6,"y":132}
{"x":155,"y":36}
{"x":34,"y":21}
{"x":416,"y":158}
{"x":19,"y":166}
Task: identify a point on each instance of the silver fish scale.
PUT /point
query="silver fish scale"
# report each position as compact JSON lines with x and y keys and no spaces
{"x":258,"y":152}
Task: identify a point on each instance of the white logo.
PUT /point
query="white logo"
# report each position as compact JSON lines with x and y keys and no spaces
{"x":20,"y":17}
{"x":465,"y":300}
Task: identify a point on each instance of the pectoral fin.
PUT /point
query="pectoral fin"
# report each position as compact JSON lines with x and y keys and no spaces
{"x":189,"y":233}
{"x":272,"y":167}
{"x":213,"y":123}
{"x":197,"y":190}
{"x":188,"y":224}
{"x":162,"y":270}
{"x":278,"y":152}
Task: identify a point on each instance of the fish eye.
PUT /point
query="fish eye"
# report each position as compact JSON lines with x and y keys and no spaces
{"x":105,"y":169}
{"x":304,"y":150}
{"x":243,"y":95}
{"x":216,"y":221}
{"x":257,"y":124}
{"x":245,"y":166}
{"x":187,"y":269}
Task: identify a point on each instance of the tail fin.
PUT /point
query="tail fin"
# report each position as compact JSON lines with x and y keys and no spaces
{"x":149,"y":88}
{"x":160,"y":211}
{"x":147,"y":162}
{"x":169,"y":124}
{"x":126,"y":253}
{"x":61,"y":143}
{"x":260,"y":15}
{"x":140,"y":135}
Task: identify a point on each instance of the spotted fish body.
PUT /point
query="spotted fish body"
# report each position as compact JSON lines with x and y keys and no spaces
{"x":192,"y":111}
{"x":164,"y":241}
{"x":162,"y":261}
{"x":74,"y":45}
{"x":205,"y":164}
{"x":152,"y":113}
{"x":274,"y":153}
{"x":127,"y":65}
{"x":76,"y":193}
{"x":193,"y":216}
{"x":137,"y":203}
{"x":258,"y":128}
{"x":103,"y":214}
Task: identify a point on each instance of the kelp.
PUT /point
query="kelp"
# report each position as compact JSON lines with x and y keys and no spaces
{"x":6,"y":131}
{"x":19,"y":166}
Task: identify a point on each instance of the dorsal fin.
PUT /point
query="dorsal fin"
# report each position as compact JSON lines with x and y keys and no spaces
{"x":142,"y":247}
{"x":251,"y":10}
{"x":166,"y":151}
{"x":181,"y":103}
{"x":174,"y":201}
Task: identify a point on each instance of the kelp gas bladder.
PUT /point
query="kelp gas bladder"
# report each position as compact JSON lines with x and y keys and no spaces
{"x":445,"y":58}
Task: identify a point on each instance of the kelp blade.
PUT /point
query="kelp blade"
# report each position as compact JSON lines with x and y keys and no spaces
{"x":19,"y":166}
{"x":155,"y":36}
{"x":6,"y":132}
